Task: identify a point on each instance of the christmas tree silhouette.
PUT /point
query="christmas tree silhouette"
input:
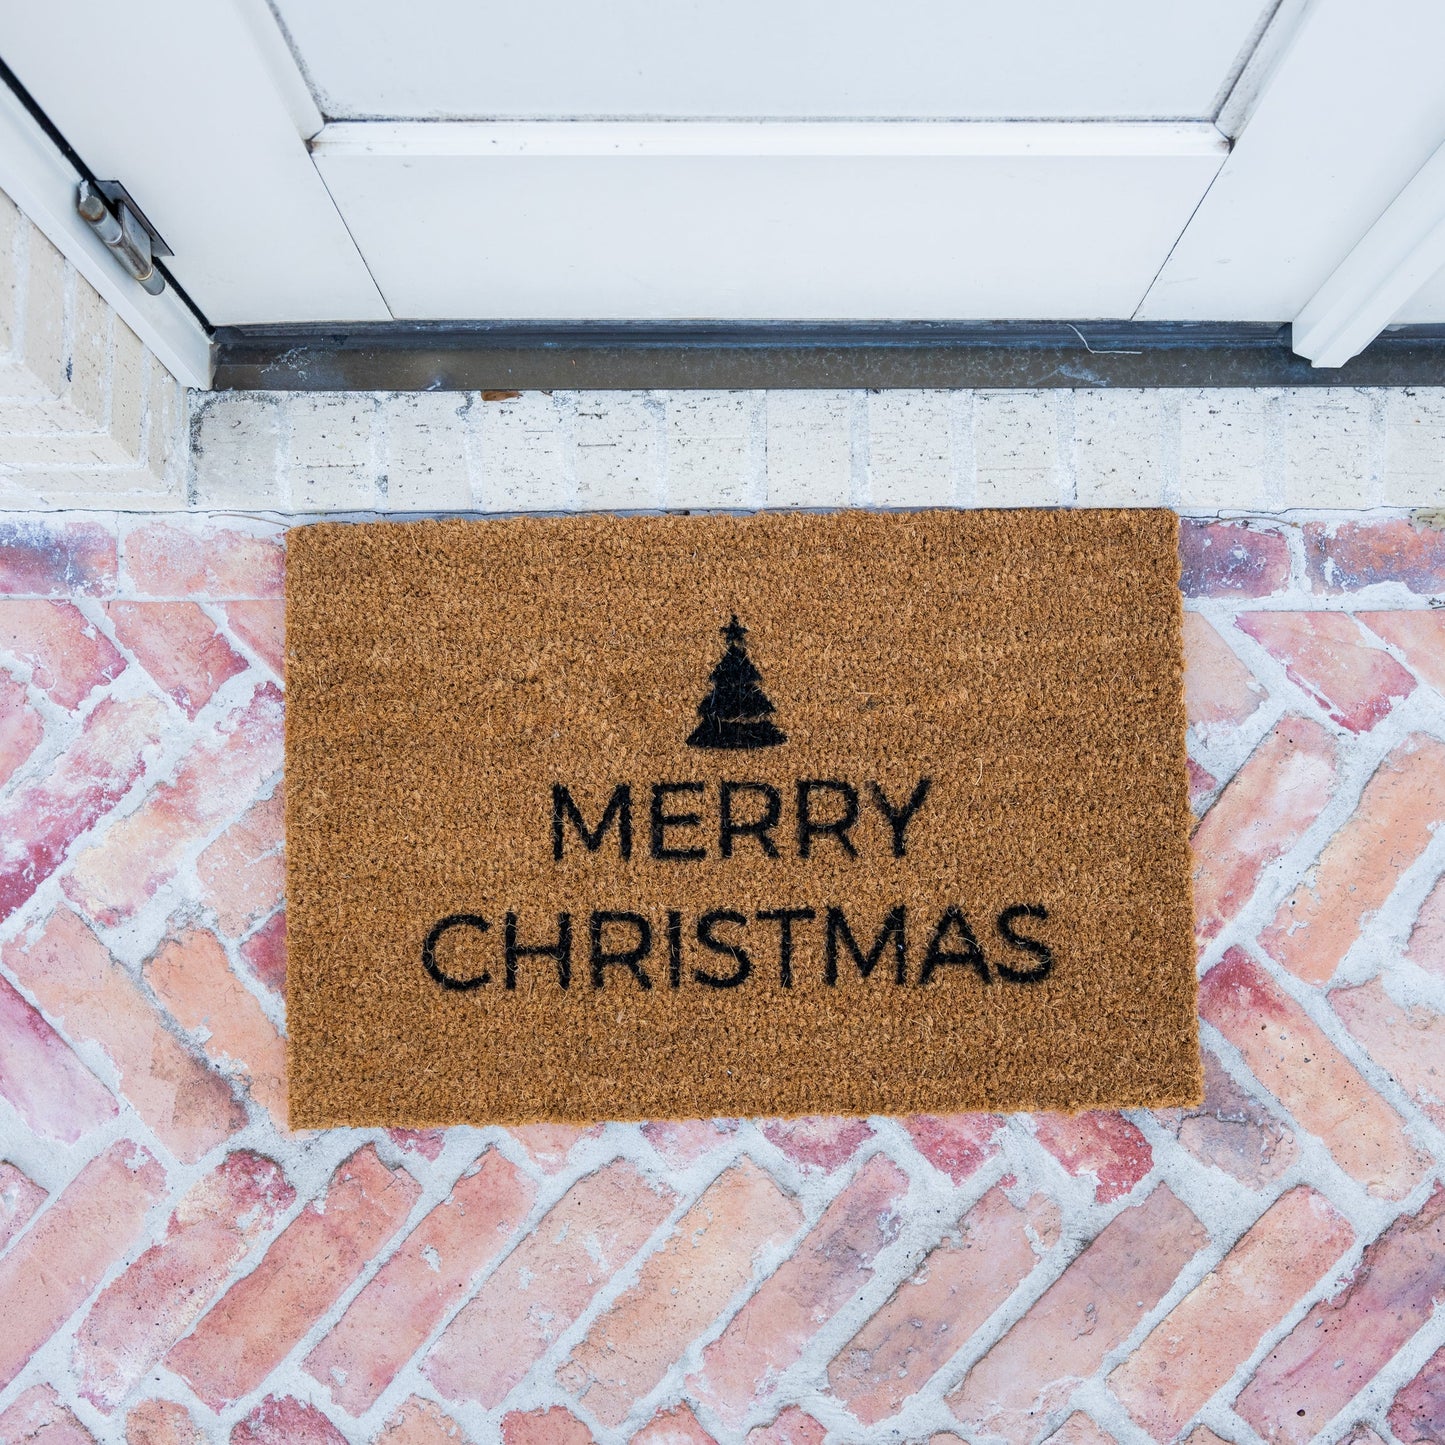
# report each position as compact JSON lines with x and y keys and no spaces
{"x":735,"y":712}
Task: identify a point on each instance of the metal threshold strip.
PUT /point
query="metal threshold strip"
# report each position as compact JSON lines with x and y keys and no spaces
{"x":627,"y":356}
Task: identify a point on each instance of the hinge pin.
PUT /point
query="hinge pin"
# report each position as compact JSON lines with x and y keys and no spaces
{"x":127,"y":239}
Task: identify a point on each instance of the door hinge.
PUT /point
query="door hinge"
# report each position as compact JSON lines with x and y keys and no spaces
{"x":107,"y":208}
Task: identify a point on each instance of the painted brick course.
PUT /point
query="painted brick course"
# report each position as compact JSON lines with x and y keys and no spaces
{"x":184,"y":1270}
{"x":1199,"y":450}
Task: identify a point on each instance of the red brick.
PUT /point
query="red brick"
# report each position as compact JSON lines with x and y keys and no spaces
{"x":166,"y":560}
{"x":1231,"y":559}
{"x":1418,"y":1415}
{"x":680,"y":1290}
{"x":1420,"y":635}
{"x":20,"y":727}
{"x":159,"y":1297}
{"x":1205,"y":1338}
{"x":68,"y":657}
{"x":1078,"y":1429}
{"x":1203,"y":1435}
{"x":682,"y":1141}
{"x":427,"y":1277}
{"x":192,"y":977}
{"x":1327,"y":655}
{"x":42,"y":819}
{"x":45,"y":557}
{"x":243,"y":873}
{"x":1260,"y":816}
{"x":545,"y":1283}
{"x":121,"y":873}
{"x":1399,"y":810}
{"x":1202,"y":787}
{"x":429,"y":1143}
{"x":817,"y":1143}
{"x":1080,"y":1318}
{"x":956,"y":1144}
{"x":1409,"y":1042}
{"x":262,"y":627}
{"x":1219,"y":690}
{"x":933,"y":1314}
{"x":284,"y":1420}
{"x":1291,"y":1057}
{"x":1343,"y":1342}
{"x":38,"y":1417}
{"x":1232,"y":1131}
{"x":264,"y":953}
{"x":51,"y":1090}
{"x":79,"y":984}
{"x":1103,"y":1144}
{"x":179,"y":646}
{"x":544,"y":1427}
{"x":420,"y":1422}
{"x":1426,"y":948}
{"x":1348,"y":556}
{"x":161,"y":1422}
{"x":548,"y":1145}
{"x":318,"y":1255}
{"x":20,"y":1197}
{"x":830,"y":1265}
{"x":792,"y":1427}
{"x":675,"y":1427}
{"x":50,"y":1270}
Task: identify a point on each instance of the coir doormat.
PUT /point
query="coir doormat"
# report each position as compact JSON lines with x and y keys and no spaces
{"x":596,"y":818}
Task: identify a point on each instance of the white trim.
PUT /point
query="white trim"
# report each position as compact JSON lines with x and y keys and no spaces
{"x":281,"y":67}
{"x":1266,"y":56}
{"x":889,"y":139}
{"x":41,"y":182}
{"x":1392,"y":261}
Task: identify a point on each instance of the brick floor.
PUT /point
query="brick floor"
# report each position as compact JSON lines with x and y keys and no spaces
{"x":176,"y":1268}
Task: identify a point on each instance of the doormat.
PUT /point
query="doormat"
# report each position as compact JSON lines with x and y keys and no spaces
{"x":621,"y":818}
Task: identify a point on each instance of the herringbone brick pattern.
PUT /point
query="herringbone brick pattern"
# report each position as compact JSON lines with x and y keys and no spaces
{"x":176,"y":1267}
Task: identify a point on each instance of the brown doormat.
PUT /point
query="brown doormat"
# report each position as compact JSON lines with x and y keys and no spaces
{"x":605,"y":818}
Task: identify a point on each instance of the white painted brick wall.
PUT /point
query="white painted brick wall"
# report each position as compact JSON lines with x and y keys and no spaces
{"x":1117,"y":444}
{"x":911,"y":448}
{"x":426,"y":449}
{"x":617,"y":449}
{"x":1201,"y":451}
{"x":810,"y":447}
{"x":1224,"y":446}
{"x":87,"y":414}
{"x":1415,"y":446}
{"x":332,"y":462}
{"x":1329,"y":460}
{"x":1019,"y":457}
{"x":526,"y":446}
{"x":715,"y":449}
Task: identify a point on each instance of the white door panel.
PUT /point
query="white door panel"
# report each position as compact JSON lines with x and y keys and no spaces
{"x":1427,"y":306}
{"x":808,"y":221}
{"x":979,"y":59}
{"x":1354,"y":109}
{"x":177,"y":102}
